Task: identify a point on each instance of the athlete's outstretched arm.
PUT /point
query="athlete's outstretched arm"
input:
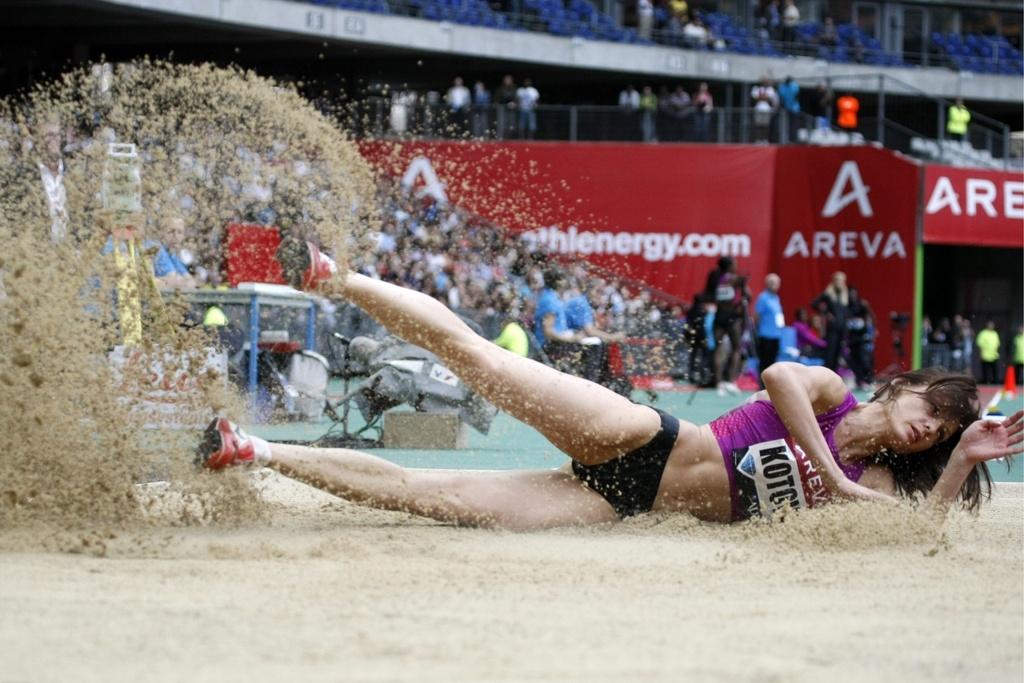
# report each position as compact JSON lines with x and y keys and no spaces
{"x":799,"y":393}
{"x":983,"y":441}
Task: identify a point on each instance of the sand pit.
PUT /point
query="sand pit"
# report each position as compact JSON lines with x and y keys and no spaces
{"x":323,"y":590}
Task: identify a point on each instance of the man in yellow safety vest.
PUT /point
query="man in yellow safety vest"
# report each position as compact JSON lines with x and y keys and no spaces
{"x":987,"y":342}
{"x":957,"y":119}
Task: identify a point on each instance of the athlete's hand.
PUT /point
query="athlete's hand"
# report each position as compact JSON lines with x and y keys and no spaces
{"x":988,"y":439}
{"x":854,"y":491}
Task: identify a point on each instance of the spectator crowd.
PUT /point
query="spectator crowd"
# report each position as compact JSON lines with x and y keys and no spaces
{"x":777,"y":28}
{"x":773,"y":112}
{"x":568,"y":315}
{"x":571,"y":315}
{"x":507,"y":112}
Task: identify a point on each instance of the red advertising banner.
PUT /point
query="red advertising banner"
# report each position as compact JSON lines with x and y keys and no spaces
{"x":973,"y":207}
{"x":851,"y":210}
{"x":662,"y":214}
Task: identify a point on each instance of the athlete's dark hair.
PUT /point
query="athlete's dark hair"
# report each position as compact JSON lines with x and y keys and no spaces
{"x":955,"y":398}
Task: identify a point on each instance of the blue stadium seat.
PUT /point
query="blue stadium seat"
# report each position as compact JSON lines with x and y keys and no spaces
{"x":970,"y":52}
{"x":743,"y":46}
{"x":806,"y":32}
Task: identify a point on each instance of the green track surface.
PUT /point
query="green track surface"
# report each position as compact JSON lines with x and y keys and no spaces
{"x":513,"y":445}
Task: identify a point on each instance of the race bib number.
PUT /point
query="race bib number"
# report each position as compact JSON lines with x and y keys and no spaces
{"x":725,"y":293}
{"x":776,"y":474}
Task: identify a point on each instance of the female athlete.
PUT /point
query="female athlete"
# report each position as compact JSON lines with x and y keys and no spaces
{"x":802,"y":441}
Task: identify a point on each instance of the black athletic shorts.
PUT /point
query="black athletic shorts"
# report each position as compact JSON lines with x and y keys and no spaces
{"x":630,"y":482}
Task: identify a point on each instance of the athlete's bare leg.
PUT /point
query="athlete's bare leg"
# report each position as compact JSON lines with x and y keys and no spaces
{"x":519,"y":500}
{"x":718,"y":359}
{"x":727,"y":362}
{"x":588,"y":422}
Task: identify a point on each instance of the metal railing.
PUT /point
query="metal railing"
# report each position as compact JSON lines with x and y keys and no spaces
{"x":397,"y":118}
{"x":987,"y":143}
{"x":911,"y":120}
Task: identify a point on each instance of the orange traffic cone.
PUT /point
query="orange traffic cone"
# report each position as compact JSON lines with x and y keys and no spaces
{"x":1010,"y":383}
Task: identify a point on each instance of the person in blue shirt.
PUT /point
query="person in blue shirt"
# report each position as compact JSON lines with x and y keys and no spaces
{"x":550,"y":326}
{"x":481,"y":110}
{"x":170,"y":269}
{"x":770,"y":321}
{"x":579,"y":316}
{"x":789,"y":97}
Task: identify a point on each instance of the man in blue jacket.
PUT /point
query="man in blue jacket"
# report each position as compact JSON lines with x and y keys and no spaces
{"x":770,"y":321}
{"x":550,"y":325}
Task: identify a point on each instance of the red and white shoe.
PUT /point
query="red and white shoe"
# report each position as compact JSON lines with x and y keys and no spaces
{"x":225,"y":444}
{"x":303,"y":265}
{"x":321,"y":269}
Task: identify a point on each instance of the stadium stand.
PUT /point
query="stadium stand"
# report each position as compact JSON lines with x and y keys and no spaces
{"x":581,"y":19}
{"x":374,"y":6}
{"x":854,"y":45}
{"x":979,"y":53}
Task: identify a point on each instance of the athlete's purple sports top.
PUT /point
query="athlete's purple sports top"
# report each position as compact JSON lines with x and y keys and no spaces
{"x":766,"y":468}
